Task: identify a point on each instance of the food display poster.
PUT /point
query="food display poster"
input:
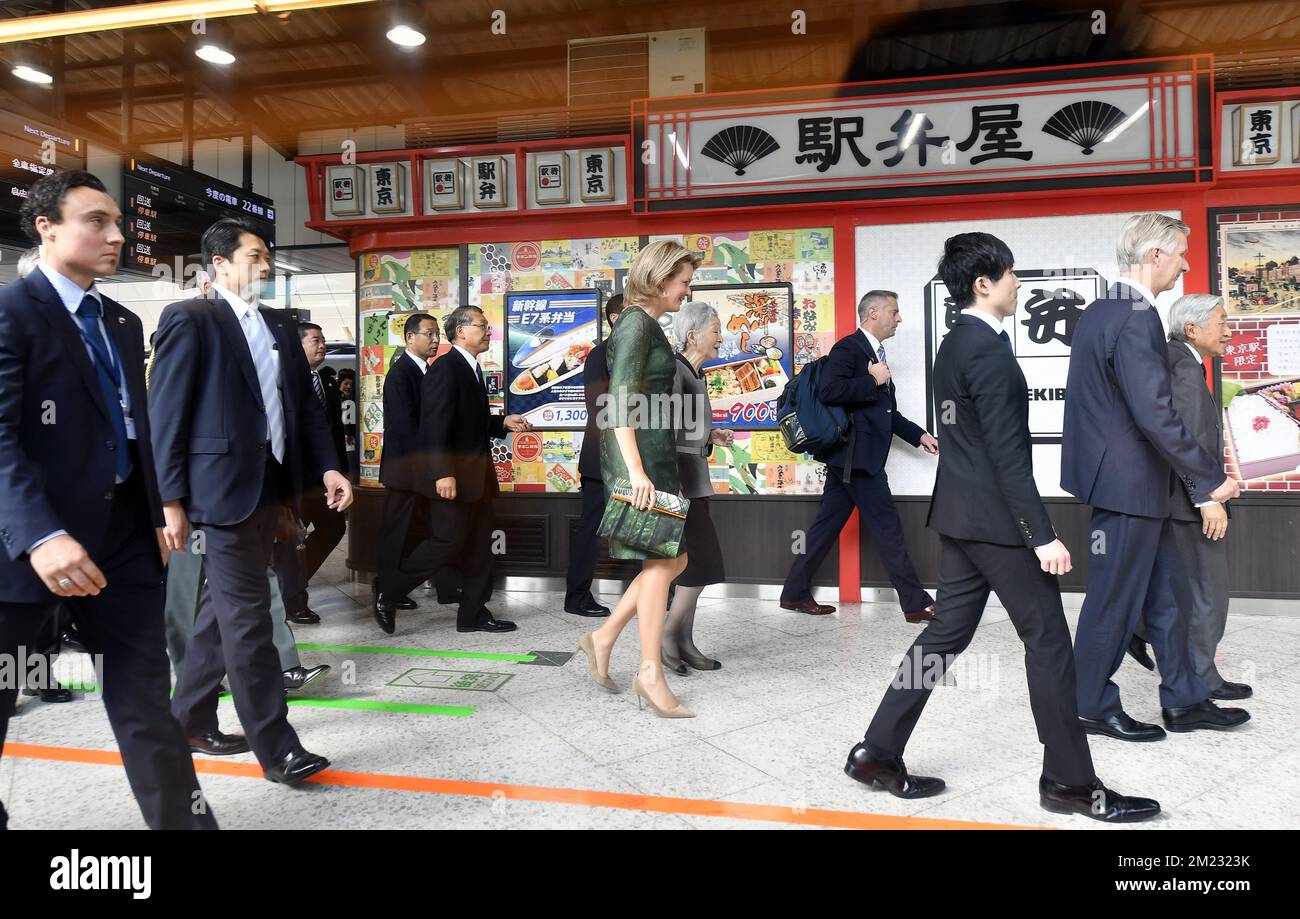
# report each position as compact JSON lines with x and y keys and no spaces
{"x":755,"y":360}
{"x":549,"y":334}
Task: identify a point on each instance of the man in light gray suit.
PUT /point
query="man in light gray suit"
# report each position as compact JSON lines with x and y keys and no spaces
{"x":1198,"y":329}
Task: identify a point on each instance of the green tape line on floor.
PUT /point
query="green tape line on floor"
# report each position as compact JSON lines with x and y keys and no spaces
{"x":420,"y":652}
{"x":368,"y":705}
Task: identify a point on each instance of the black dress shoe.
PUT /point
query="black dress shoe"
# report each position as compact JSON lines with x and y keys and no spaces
{"x":298,"y":677}
{"x":810,"y":606}
{"x":889,"y":774}
{"x":70,"y":641}
{"x":589,"y":608}
{"x":1122,"y":727}
{"x":53,"y":694}
{"x":384,"y":614}
{"x":405,"y":603}
{"x":304,"y":616}
{"x":1203,"y":715}
{"x":490,"y":625}
{"x":297,"y":766}
{"x":1137,"y":649}
{"x":217,"y":744}
{"x":1094,"y":800}
{"x":1230,"y":691}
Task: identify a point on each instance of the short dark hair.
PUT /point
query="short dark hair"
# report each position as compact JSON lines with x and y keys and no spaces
{"x":305,"y":327}
{"x":45,"y":198}
{"x":613,"y":306}
{"x":459,"y":316}
{"x":968,"y":256}
{"x":222,"y":238}
{"x":347,"y":373}
{"x":327,"y":372}
{"x":413,"y":324}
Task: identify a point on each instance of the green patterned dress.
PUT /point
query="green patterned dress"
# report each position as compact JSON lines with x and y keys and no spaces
{"x":641,"y":371}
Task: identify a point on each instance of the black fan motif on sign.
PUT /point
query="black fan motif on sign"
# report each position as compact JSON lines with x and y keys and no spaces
{"x":1084,"y":123}
{"x":740,"y":146}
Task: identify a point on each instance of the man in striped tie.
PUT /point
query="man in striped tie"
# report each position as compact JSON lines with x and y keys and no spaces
{"x":240,"y":432}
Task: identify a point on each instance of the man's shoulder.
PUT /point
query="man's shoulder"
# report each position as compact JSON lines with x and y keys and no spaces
{"x":849,"y":346}
{"x":16,"y":297}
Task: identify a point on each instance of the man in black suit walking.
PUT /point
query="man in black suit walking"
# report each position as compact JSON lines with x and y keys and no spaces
{"x":585,"y":548}
{"x":80,"y":514}
{"x":994,"y":534}
{"x":239,"y":432}
{"x":454,"y":470}
{"x":856,"y":377}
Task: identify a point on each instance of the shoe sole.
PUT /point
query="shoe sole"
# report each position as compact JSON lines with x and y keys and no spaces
{"x":795,"y":609}
{"x":1188,"y":728}
{"x":194,"y":749}
{"x":1056,"y":807}
{"x":1099,"y":733}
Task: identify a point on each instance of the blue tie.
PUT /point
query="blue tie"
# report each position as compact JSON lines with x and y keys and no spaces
{"x":881,"y":354}
{"x":109,"y":373}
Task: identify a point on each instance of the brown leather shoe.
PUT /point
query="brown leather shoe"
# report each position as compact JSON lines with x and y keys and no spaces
{"x":811,"y":607}
{"x":924,"y":615}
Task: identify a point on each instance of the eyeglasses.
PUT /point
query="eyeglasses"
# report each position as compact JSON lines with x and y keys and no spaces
{"x":432,"y":334}
{"x":487,"y":326}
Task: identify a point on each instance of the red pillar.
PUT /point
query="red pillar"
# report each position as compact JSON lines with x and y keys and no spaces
{"x":846,"y":319}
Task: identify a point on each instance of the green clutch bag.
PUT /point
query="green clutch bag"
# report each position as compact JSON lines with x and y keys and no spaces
{"x":656,"y":531}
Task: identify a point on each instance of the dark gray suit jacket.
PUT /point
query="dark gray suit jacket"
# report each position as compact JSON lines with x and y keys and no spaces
{"x":1195,"y":405}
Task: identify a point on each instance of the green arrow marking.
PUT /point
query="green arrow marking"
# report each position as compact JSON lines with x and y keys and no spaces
{"x":419,"y":652}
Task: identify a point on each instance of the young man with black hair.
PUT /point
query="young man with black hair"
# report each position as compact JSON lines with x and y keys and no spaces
{"x":995,"y":535}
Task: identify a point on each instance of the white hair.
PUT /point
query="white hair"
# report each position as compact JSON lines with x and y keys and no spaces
{"x":27,"y":261}
{"x":1193,"y":308}
{"x":1144,"y":232}
{"x":692,"y":317}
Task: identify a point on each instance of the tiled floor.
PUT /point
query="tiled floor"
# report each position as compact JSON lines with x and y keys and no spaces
{"x":769,"y":743}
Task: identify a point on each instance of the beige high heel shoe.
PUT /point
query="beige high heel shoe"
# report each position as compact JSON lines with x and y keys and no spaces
{"x":588,"y":647}
{"x":679,"y":711}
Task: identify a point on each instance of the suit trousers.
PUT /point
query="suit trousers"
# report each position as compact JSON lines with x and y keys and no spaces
{"x":584,"y":549}
{"x":871,"y":495}
{"x":327,"y":529}
{"x":967,"y":572}
{"x":233,"y":637}
{"x":1135,"y":571}
{"x":124,"y":624}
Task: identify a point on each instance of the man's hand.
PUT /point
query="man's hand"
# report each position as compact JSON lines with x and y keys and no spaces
{"x":879,"y":372}
{"x":930,"y":444}
{"x":166,"y":553}
{"x":723,"y":437}
{"x":1214,"y":521}
{"x":177,"y":531}
{"x":1230,"y":489}
{"x":1054,"y":558}
{"x":65,"y":568}
{"x":338,"y":491}
{"x":446,"y":487}
{"x":517,"y":423}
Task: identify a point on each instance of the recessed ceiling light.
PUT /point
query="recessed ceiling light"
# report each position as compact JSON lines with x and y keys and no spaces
{"x":32,"y":75}
{"x":214,"y":55}
{"x":405,"y":36}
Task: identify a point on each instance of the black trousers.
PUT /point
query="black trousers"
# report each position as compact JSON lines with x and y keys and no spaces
{"x":421,"y":537}
{"x":875,"y":504}
{"x":967,"y":572}
{"x":232,"y":636}
{"x":584,"y":550}
{"x":327,"y":531}
{"x":124,"y":624}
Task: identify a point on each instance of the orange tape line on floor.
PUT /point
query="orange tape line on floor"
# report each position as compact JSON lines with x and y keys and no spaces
{"x":696,"y":806}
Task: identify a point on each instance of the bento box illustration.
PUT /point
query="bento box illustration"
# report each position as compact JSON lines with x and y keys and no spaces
{"x":547,"y":358}
{"x":1264,"y":422}
{"x":760,"y":378}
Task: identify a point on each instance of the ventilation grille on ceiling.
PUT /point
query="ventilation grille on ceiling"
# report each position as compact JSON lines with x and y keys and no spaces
{"x":609,"y":71}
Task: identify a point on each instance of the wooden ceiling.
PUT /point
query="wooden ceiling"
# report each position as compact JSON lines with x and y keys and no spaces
{"x":334,"y":68}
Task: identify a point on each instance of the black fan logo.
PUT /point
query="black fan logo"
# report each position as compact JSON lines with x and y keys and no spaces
{"x":740,"y":146}
{"x":1085,"y":123}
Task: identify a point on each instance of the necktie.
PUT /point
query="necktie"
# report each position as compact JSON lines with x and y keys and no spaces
{"x":316,"y":385}
{"x":880,"y":354}
{"x":267,"y":365}
{"x":108,"y":374}
{"x":1006,"y":339}
{"x":479,"y":370}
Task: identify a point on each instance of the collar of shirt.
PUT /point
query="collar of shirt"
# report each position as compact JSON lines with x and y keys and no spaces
{"x":473,"y":361}
{"x":419,"y":361}
{"x":69,"y":291}
{"x":871,"y":340}
{"x":1145,"y":291}
{"x":240,"y":307}
{"x":992,"y":321}
{"x":1196,"y":354}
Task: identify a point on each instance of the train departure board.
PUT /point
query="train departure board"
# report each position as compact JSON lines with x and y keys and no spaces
{"x":29,"y":150}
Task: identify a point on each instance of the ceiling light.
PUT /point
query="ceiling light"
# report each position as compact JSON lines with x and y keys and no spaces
{"x":405,"y":36}
{"x":214,"y":55}
{"x":32,"y":75}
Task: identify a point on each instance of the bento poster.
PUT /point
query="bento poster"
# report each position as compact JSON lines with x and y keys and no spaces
{"x":549,"y":334}
{"x":756,"y":360}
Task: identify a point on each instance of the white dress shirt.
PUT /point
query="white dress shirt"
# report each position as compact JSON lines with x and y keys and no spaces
{"x":419,"y":361}
{"x":473,"y":361}
{"x":1161,"y":312}
{"x":241,"y":308}
{"x":871,"y":340}
{"x":992,"y":321}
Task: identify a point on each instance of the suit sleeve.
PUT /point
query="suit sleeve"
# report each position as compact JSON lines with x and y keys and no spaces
{"x":1142,"y":372}
{"x":25,"y":516}
{"x":437,"y":408}
{"x":994,"y":393}
{"x":319,"y":452}
{"x":497,"y":426}
{"x":177,"y":350}
{"x":907,"y":429}
{"x":840,"y":383}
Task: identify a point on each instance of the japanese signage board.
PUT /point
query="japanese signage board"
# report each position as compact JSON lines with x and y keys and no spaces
{"x":1259,"y":136}
{"x":549,"y":334}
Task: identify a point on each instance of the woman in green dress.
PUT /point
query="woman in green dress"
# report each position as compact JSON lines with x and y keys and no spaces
{"x":636,"y":445}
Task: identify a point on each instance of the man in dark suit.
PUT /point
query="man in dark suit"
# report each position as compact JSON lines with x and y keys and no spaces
{"x":239,"y":433}
{"x":1198,"y":330}
{"x":453,"y":469}
{"x":585,"y":548}
{"x":1123,"y":447}
{"x":994,"y":534}
{"x":856,"y":377}
{"x":79,"y":506}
